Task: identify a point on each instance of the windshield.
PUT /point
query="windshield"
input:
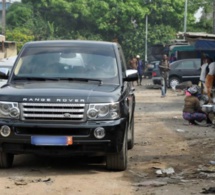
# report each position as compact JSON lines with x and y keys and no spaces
{"x":64,"y":62}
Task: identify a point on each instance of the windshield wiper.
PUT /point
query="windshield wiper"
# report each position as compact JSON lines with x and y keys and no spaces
{"x":36,"y":78}
{"x":56,"y":79}
{"x":81,"y":79}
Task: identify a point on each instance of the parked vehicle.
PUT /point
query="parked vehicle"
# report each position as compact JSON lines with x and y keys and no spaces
{"x":156,"y":78}
{"x":49,"y":108}
{"x":8,"y":61}
{"x":6,"y":65}
{"x":180,"y":71}
{"x":5,"y":70}
{"x":150,"y":67}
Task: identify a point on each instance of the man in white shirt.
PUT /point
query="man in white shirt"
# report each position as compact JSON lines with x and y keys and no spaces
{"x":211,"y":68}
{"x":204,"y":71}
{"x":209,"y":80}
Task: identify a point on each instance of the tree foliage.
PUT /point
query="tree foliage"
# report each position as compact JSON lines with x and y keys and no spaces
{"x":122,"y":20}
{"x":206,"y":21}
{"x":20,"y":35}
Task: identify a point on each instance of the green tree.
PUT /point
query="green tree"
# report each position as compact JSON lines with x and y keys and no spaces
{"x":206,"y":22}
{"x":18,"y":14}
{"x":20,"y":35}
{"x":122,"y":20}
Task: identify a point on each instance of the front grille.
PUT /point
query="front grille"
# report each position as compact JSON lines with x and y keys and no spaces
{"x":53,"y":111}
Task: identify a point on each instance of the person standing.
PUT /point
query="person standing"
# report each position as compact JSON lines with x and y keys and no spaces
{"x":210,"y":79}
{"x":172,"y":58}
{"x":139,"y":70}
{"x":133,"y":65}
{"x":164,"y":72}
{"x":204,"y":71}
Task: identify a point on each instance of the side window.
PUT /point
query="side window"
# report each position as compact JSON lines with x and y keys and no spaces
{"x":122,"y":59}
{"x":186,"y":65}
{"x":198,"y":64}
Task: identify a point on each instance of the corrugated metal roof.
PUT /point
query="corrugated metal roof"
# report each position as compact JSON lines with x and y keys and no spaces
{"x":192,"y":37}
{"x":199,"y":34}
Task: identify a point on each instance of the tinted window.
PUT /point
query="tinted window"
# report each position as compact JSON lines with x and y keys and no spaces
{"x":69,"y":62}
{"x":122,"y":59}
{"x":186,"y":65}
{"x":198,"y":64}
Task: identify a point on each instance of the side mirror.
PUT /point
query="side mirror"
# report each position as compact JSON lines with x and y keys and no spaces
{"x":131,"y":75}
{"x":4,"y":73}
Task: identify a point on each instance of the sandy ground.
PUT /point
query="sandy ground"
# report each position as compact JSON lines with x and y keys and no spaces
{"x":169,"y":158}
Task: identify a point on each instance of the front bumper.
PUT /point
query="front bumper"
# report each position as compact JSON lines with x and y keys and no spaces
{"x":84,"y":141}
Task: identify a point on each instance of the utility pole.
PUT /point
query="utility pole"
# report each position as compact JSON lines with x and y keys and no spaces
{"x":185,"y":16}
{"x":3,"y":16}
{"x":146,"y":38}
{"x":213,"y":17}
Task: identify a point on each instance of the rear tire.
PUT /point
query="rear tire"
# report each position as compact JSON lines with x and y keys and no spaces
{"x":118,"y":161}
{"x":6,"y":160}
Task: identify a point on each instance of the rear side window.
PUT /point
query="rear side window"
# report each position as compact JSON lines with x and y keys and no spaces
{"x":122,"y":59}
{"x":186,"y":65}
{"x":198,"y":64}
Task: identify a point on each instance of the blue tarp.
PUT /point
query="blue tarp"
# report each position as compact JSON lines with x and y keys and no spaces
{"x":204,"y":45}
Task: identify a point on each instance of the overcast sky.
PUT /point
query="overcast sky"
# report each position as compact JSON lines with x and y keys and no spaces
{"x":198,"y":14}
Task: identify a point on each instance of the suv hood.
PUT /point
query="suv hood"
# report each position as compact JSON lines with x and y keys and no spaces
{"x":59,"y":92}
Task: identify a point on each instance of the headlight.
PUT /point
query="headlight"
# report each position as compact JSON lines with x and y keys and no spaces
{"x":9,"y":110}
{"x":103,"y":111}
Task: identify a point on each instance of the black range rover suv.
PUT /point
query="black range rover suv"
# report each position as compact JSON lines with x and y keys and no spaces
{"x":68,"y":98}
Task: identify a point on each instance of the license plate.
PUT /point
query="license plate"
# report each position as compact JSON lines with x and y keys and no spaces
{"x":51,"y":140}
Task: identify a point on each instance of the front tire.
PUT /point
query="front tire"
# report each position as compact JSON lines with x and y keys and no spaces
{"x":6,"y":160}
{"x":118,"y":161}
{"x":131,"y":141}
{"x":173,"y":81}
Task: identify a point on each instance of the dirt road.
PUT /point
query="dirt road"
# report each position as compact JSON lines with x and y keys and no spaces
{"x":169,"y":158}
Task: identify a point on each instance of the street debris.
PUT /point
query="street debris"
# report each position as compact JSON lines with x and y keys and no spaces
{"x":153,"y":183}
{"x":162,"y":169}
{"x":210,"y":190}
{"x":159,"y":165}
{"x":212,"y":162}
{"x":141,"y":175}
{"x":180,"y":130}
{"x":206,"y":168}
{"x":21,"y":181}
{"x":165,"y":172}
{"x":207,"y":171}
